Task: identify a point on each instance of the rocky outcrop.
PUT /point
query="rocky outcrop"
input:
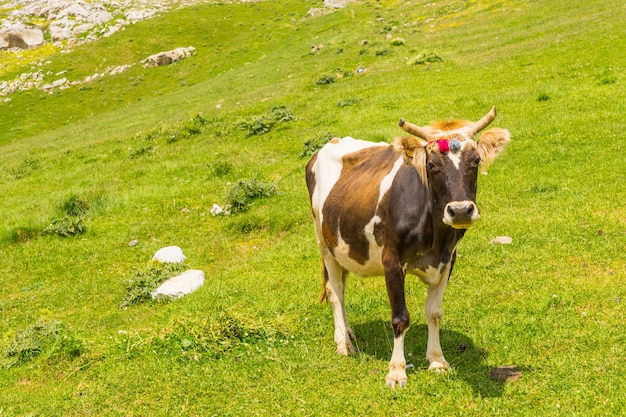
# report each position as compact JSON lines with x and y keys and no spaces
{"x":78,"y":21}
{"x":21,"y":38}
{"x":169,"y":57}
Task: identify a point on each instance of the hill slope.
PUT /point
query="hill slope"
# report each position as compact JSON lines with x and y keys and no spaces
{"x":150,"y":151}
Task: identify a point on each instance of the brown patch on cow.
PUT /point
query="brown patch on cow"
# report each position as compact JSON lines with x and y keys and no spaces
{"x":505,"y":374}
{"x":311,"y":181}
{"x":357,"y":190}
{"x":334,"y":140}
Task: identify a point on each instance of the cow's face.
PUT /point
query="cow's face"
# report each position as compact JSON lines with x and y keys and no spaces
{"x":452,"y":172}
{"x":448,"y":164}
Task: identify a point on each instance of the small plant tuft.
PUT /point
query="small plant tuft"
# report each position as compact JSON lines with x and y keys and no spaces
{"x":74,"y":209}
{"x":426,"y":58}
{"x":75,"y":206}
{"x":25,"y":167}
{"x":326,"y":79}
{"x":66,"y":226}
{"x":244,"y":192}
{"x":140,"y":287}
{"x":543,"y":97}
{"x":212,"y":337}
{"x":220,"y":169}
{"x":348,"y":102}
{"x":48,"y":338}
{"x":260,"y":125}
{"x":315,"y":144}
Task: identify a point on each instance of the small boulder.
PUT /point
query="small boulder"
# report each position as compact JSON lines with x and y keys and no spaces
{"x":502,"y":240}
{"x":170,"y":254}
{"x":180,"y":285}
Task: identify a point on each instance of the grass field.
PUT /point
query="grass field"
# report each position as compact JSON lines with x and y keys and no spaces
{"x":144,"y":155}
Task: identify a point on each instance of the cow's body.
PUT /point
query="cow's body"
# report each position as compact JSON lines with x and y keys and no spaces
{"x":383,"y":209}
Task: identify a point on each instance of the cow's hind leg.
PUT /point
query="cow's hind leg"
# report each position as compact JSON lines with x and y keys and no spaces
{"x":335,"y":277}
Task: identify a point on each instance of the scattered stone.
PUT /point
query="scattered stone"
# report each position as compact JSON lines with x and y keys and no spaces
{"x":180,"y":285}
{"x":170,"y":254}
{"x":216,"y":209}
{"x":502,"y":240}
{"x":337,"y":4}
{"x":167,"y":58}
{"x":133,"y":242}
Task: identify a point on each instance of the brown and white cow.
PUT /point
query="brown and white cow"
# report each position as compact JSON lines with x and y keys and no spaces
{"x":389,"y":210}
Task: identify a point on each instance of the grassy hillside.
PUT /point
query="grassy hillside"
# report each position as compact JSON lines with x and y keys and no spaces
{"x":144,"y":155}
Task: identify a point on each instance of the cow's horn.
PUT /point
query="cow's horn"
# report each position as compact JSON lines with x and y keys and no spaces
{"x":413,"y":129}
{"x":482,"y":123}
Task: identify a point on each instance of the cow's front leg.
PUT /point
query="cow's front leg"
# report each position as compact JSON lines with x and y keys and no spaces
{"x":434,"y":313}
{"x":400,"y":320}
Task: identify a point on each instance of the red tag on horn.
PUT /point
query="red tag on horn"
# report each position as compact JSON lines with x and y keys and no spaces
{"x":444,"y":145}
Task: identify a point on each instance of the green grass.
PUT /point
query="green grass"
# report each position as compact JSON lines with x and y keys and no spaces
{"x":149,"y":151}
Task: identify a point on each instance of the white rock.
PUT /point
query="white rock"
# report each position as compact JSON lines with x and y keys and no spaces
{"x":216,"y":209}
{"x":336,"y":4}
{"x":180,"y":285}
{"x":170,"y":254}
{"x":502,"y":240}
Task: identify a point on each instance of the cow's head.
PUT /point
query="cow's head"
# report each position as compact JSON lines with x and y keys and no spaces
{"x":448,"y":160}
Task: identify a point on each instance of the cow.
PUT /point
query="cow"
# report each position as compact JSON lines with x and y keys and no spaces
{"x":392,"y":210}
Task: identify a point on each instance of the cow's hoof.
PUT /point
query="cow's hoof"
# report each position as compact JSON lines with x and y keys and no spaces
{"x":396,"y":376}
{"x":439,"y":367}
{"x":345,"y":348}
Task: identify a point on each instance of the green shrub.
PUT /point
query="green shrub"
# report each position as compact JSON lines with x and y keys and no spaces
{"x":326,"y":79}
{"x":66,"y":226}
{"x":314,"y":144}
{"x":260,"y":125}
{"x":244,"y":192}
{"x":426,"y":58}
{"x":220,"y":169}
{"x":210,"y":337}
{"x":75,"y":206}
{"x":348,"y":102}
{"x":48,"y":338}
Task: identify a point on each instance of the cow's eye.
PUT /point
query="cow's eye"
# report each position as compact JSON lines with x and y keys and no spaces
{"x":476,"y":162}
{"x":430,"y":166}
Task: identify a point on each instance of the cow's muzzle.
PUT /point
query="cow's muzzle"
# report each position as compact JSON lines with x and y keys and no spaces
{"x":460,"y":214}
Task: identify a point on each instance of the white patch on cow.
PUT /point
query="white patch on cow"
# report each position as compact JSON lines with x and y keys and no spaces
{"x":397,"y":364}
{"x":455,"y":156}
{"x":330,"y":163}
{"x":447,"y":219}
{"x":386,"y":183}
{"x":373,"y":266}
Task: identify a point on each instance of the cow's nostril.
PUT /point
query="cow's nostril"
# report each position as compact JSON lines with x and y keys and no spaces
{"x":470,"y":210}
{"x":451,"y":212}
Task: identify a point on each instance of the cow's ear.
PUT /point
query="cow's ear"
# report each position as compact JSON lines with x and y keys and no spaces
{"x":491,"y":144}
{"x":408,"y":145}
{"x":414,"y":153}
